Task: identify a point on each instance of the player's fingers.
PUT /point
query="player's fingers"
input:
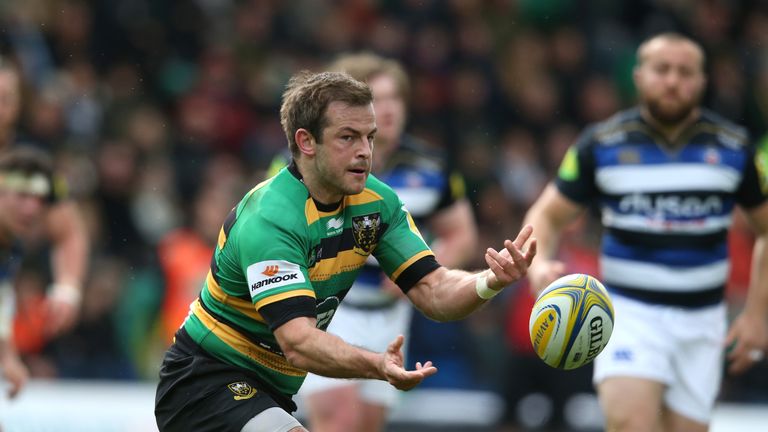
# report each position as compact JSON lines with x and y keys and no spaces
{"x":421,"y":366}
{"x":395,"y":345}
{"x":506,"y":263}
{"x":531,"y":252}
{"x":519,"y":261}
{"x":494,"y":266}
{"x":497,"y":265}
{"x":523,"y":236}
{"x":427,"y":371}
{"x":739,"y":364}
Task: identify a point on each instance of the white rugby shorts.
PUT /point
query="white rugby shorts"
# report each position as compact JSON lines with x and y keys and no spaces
{"x":372,"y":329}
{"x":682,"y":348}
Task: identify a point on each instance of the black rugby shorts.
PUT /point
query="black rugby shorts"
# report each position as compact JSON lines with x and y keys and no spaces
{"x":198,"y":393}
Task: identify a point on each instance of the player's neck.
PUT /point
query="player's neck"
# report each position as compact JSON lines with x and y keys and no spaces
{"x":671,"y":132}
{"x":316,"y":189}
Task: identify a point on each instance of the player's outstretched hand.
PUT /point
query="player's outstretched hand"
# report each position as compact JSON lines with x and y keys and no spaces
{"x":395,"y":371}
{"x":747,"y":340}
{"x":14,"y":372}
{"x":511,"y":263}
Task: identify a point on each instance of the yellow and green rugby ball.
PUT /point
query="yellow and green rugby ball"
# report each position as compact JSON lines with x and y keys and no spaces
{"x":571,"y":321}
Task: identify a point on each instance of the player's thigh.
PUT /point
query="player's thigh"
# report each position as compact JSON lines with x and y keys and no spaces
{"x":630,"y":403}
{"x":675,"y":422}
{"x":336,"y":408}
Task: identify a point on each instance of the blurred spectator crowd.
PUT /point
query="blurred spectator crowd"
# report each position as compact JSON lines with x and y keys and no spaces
{"x":161,"y":113}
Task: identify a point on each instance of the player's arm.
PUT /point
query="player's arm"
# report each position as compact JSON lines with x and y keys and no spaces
{"x":11,"y":366}
{"x":448,"y":294}
{"x":321,"y":353}
{"x":13,"y":370}
{"x":70,"y":256}
{"x":456,"y":234}
{"x":749,"y":331}
{"x":549,"y":215}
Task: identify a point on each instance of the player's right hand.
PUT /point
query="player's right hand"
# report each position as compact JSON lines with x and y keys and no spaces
{"x":14,"y":372}
{"x":395,"y":372}
{"x":544,"y":272}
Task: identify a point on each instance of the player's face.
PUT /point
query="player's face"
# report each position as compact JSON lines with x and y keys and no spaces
{"x":670,"y":79}
{"x":389,"y":107}
{"x":9,"y":99}
{"x":343,"y":158}
{"x":21,"y":211}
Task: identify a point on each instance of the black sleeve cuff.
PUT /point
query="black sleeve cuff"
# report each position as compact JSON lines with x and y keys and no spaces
{"x":410,"y":276}
{"x":280,"y":312}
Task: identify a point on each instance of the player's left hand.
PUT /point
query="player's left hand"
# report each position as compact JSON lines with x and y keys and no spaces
{"x":511,"y":263}
{"x":748,"y":339}
{"x":394,"y":369}
{"x":63,"y":309}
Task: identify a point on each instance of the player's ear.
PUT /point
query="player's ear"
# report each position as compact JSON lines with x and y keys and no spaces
{"x":305,"y":142}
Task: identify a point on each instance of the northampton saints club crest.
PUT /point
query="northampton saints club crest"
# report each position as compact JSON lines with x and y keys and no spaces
{"x":242,"y":390}
{"x":365,"y":230}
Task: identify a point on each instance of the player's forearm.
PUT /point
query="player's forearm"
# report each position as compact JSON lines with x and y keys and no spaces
{"x":757,"y":297}
{"x":70,"y":247}
{"x":448,"y":294}
{"x":548,"y":231}
{"x":328,"y":355}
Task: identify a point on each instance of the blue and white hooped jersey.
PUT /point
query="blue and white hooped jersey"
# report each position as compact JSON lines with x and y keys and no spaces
{"x":666,"y":213}
{"x":425,"y":185}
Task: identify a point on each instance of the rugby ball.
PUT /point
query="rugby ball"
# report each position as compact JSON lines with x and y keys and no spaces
{"x":571,"y":321}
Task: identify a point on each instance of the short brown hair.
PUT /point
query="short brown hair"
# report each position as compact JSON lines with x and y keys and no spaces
{"x":669,"y":37}
{"x":364,"y":66}
{"x":306,"y":99}
{"x":27,"y":169}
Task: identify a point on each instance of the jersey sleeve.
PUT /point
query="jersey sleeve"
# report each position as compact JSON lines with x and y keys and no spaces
{"x":402,"y":252}
{"x":576,"y":175}
{"x":753,"y":189}
{"x":270,"y":254}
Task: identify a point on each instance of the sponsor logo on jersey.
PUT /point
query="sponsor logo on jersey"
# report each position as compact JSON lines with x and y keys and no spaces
{"x":334,"y":225}
{"x":365,"y":230}
{"x":672,"y":205}
{"x":271,"y":270}
{"x":266,"y":275}
{"x":711,"y":156}
{"x":242,"y":390}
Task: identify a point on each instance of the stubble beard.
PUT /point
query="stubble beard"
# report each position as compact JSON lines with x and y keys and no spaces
{"x":667,"y":116}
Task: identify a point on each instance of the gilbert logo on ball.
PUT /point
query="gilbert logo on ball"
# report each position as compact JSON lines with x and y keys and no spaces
{"x":571,"y":321}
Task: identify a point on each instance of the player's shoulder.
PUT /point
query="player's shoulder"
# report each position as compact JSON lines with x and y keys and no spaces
{"x":614,"y":130}
{"x":726,"y":131}
{"x":278,"y":201}
{"x":417,"y":153}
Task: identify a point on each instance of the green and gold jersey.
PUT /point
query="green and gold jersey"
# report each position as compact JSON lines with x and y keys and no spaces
{"x":281,"y":255}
